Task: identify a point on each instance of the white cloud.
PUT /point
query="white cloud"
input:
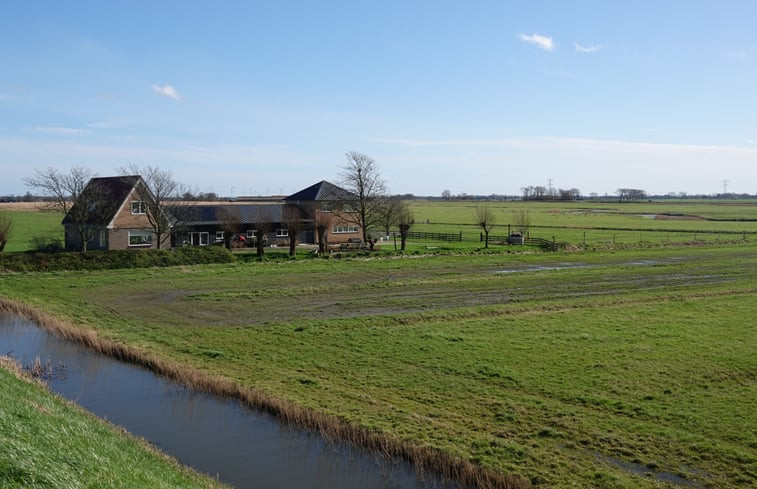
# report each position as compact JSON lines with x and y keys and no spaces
{"x":586,"y":49}
{"x":167,"y":91}
{"x":544,"y":42}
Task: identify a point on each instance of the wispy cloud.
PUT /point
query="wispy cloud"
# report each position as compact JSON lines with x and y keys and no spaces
{"x":544,"y":42}
{"x":167,"y":91}
{"x":586,"y":49}
{"x":574,"y":143}
{"x":62,"y":131}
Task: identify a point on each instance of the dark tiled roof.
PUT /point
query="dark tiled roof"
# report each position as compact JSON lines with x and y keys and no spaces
{"x":107,"y":193}
{"x":205,"y":214}
{"x":323,"y":190}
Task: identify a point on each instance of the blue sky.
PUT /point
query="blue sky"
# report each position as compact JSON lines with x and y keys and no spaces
{"x":474,"y":97}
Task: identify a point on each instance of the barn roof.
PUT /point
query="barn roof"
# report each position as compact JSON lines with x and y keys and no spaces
{"x":322,"y":191}
{"x":215,"y":214}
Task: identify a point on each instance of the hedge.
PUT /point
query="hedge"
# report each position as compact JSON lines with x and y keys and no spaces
{"x":109,"y":260}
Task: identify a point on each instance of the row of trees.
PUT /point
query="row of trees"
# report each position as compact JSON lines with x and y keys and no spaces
{"x":548,"y":193}
{"x":631,"y":194}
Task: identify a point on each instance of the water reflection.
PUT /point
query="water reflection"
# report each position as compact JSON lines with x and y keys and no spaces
{"x":245,"y":448}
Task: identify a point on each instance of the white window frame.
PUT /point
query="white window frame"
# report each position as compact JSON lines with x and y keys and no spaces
{"x":145,"y":241}
{"x":251,"y":233}
{"x":326,"y":206}
{"x":349,"y":207}
{"x":219,"y":236}
{"x":345,"y":229}
{"x":141,"y":207}
{"x":282,"y":233}
{"x":203,"y":238}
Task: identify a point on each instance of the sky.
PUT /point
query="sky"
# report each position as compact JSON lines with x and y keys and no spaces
{"x":477,"y":97}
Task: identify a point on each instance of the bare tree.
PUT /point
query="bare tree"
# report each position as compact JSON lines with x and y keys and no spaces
{"x":361,"y":177}
{"x":5,"y":230}
{"x":446,"y":194}
{"x":292,"y":218}
{"x":230,"y":224}
{"x":261,"y":224}
{"x":159,"y":191}
{"x":388,"y":213}
{"x":522,"y":221}
{"x":485,"y":219}
{"x":405,"y":221}
{"x":323,"y":222}
{"x":84,"y":206}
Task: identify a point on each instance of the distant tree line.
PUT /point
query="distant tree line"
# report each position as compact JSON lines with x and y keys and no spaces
{"x":548,"y":193}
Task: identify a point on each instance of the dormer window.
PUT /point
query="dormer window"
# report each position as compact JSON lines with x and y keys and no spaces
{"x":138,"y":207}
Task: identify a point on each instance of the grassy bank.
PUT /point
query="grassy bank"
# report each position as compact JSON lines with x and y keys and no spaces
{"x":49,"y":443}
{"x":569,"y":369}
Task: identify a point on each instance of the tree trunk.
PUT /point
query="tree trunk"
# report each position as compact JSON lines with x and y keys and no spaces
{"x":260,"y":245}
{"x":292,"y":245}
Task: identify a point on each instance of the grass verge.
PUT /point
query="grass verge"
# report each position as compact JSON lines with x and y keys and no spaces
{"x":48,"y":442}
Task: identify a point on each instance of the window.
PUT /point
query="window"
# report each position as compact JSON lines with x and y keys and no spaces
{"x":325,"y":206}
{"x":251,"y":233}
{"x":344,"y":229}
{"x":282,"y":233}
{"x":140,"y":238}
{"x":138,"y":207}
{"x":219,"y":236}
{"x":103,"y":239}
{"x":198,"y":239}
{"x":347,"y":207}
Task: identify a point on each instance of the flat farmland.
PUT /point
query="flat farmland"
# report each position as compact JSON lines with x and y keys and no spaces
{"x":29,"y":221}
{"x":599,"y":223}
{"x":633,"y":368}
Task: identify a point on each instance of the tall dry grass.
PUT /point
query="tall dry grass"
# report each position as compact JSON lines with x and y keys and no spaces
{"x":426,"y":460}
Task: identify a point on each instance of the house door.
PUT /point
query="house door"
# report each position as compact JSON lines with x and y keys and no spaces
{"x":198,"y":239}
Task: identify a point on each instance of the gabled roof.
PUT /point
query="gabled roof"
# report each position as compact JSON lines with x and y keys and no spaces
{"x":215,"y":214}
{"x":322,"y":191}
{"x":105,"y":196}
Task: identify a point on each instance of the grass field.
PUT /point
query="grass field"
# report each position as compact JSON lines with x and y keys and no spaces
{"x":626,"y":368}
{"x":48,"y":443}
{"x":574,"y":223}
{"x":596,"y":223}
{"x":29,"y":223}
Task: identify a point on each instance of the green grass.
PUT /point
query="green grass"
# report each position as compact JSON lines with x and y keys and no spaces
{"x":549,"y":366}
{"x":599,"y":223}
{"x":28,"y":224}
{"x":48,"y":442}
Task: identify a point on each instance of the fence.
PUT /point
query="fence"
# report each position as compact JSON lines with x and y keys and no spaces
{"x":437,"y":236}
{"x":544,"y":244}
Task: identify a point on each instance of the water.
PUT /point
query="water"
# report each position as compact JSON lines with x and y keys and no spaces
{"x":220,"y":437}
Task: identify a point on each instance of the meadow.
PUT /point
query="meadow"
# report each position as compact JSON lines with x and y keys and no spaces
{"x":49,"y":443}
{"x":30,"y":222}
{"x":613,"y":368}
{"x":598,"y":223}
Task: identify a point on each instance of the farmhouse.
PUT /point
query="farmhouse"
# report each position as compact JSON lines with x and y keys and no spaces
{"x":117,"y":214}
